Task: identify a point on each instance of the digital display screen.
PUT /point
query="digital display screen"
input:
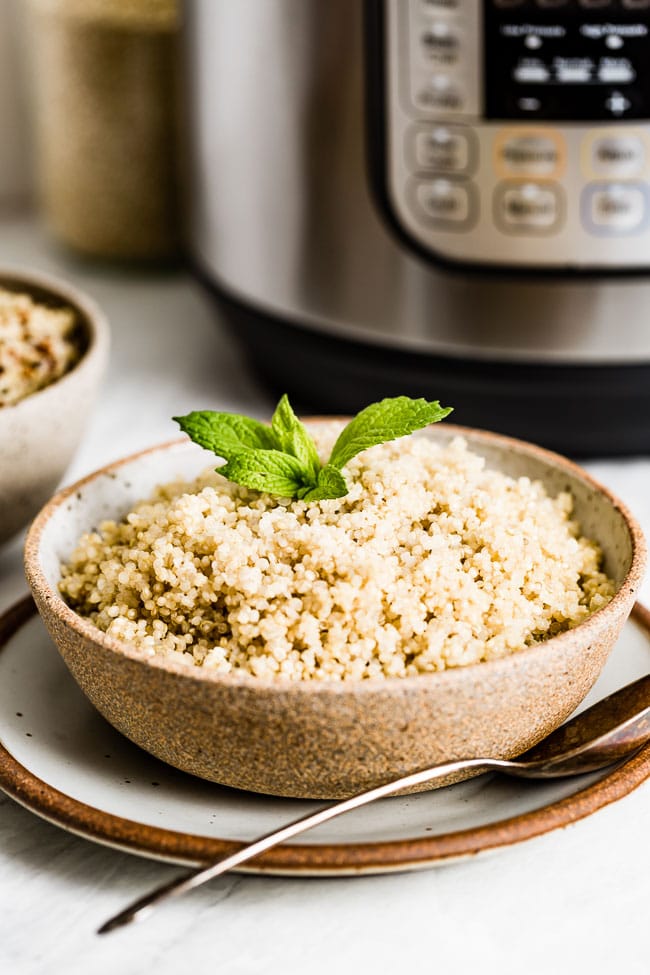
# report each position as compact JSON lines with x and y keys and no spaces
{"x":567,"y":59}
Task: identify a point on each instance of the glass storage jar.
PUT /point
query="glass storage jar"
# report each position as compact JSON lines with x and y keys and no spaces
{"x":106,"y":133}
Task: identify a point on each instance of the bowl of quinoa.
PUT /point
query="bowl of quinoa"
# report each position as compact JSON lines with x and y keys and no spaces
{"x":460,"y":600}
{"x":53,"y":350}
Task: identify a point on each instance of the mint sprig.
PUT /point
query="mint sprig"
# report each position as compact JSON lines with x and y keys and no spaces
{"x":291,"y":437}
{"x":282,"y":459}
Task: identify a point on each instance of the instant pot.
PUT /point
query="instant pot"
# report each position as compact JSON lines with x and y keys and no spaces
{"x":447,"y":198}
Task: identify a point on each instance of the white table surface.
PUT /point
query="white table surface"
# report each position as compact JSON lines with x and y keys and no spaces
{"x":572,"y":901}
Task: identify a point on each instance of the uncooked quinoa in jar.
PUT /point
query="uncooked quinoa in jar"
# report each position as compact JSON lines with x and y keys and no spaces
{"x":106,"y":124}
{"x":38,"y":345}
{"x":431,"y":561}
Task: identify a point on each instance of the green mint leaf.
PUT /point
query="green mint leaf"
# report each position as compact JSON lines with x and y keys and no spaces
{"x":282,"y":459}
{"x":384,"y":421}
{"x":269,"y":471}
{"x":225,"y":434}
{"x":330,"y":484}
{"x":291,"y":437}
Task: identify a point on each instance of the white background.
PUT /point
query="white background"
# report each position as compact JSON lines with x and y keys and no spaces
{"x":571,"y":901}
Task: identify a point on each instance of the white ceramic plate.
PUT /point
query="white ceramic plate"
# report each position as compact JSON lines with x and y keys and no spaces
{"x":63,"y":761}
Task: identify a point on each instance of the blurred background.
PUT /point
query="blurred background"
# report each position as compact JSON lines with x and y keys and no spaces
{"x":431,"y":197}
{"x":16,"y":159}
{"x":90,"y":192}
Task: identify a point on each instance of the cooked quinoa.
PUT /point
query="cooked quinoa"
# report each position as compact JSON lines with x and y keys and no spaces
{"x":431,"y":561}
{"x":37,"y":345}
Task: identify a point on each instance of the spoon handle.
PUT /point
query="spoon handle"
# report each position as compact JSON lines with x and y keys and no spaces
{"x":188,"y":881}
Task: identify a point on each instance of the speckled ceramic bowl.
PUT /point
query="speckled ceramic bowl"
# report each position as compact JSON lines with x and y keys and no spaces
{"x":328,"y":740}
{"x":39,"y":434}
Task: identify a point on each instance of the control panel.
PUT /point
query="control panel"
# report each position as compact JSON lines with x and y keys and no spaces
{"x":518,"y":131}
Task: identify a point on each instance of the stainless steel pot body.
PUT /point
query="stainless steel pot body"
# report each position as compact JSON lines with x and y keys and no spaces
{"x":282,"y":216}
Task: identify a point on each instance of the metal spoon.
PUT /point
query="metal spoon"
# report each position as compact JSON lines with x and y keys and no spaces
{"x":609,"y":731}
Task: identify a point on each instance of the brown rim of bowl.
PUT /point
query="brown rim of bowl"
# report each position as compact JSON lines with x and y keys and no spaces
{"x":86,"y":629}
{"x":310,"y":859}
{"x":93,"y":321}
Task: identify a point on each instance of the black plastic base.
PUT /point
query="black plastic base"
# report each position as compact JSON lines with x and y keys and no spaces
{"x":581,"y":410}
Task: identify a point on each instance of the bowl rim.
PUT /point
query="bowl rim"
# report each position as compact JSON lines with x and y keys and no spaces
{"x":83,"y":627}
{"x":93,"y":318}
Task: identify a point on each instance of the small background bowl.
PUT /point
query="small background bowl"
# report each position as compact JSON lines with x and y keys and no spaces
{"x":39,"y":434}
{"x":318,"y":739}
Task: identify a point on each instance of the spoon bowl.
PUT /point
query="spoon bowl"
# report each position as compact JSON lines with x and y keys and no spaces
{"x":608,"y":732}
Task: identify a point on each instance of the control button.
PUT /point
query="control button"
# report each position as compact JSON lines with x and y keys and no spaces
{"x":574,"y":74}
{"x":527,"y":208}
{"x":531,"y":74}
{"x":441,"y":43}
{"x":617,"y":156}
{"x":615,"y":208}
{"x":551,"y":3}
{"x":529,"y":153}
{"x":441,"y":94}
{"x":443,"y":148}
{"x":636,"y":4}
{"x":594,"y":4}
{"x":441,"y":4}
{"x":446,"y":203}
{"x":617,"y":103}
{"x":616,"y":72}
{"x":529,"y":104}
